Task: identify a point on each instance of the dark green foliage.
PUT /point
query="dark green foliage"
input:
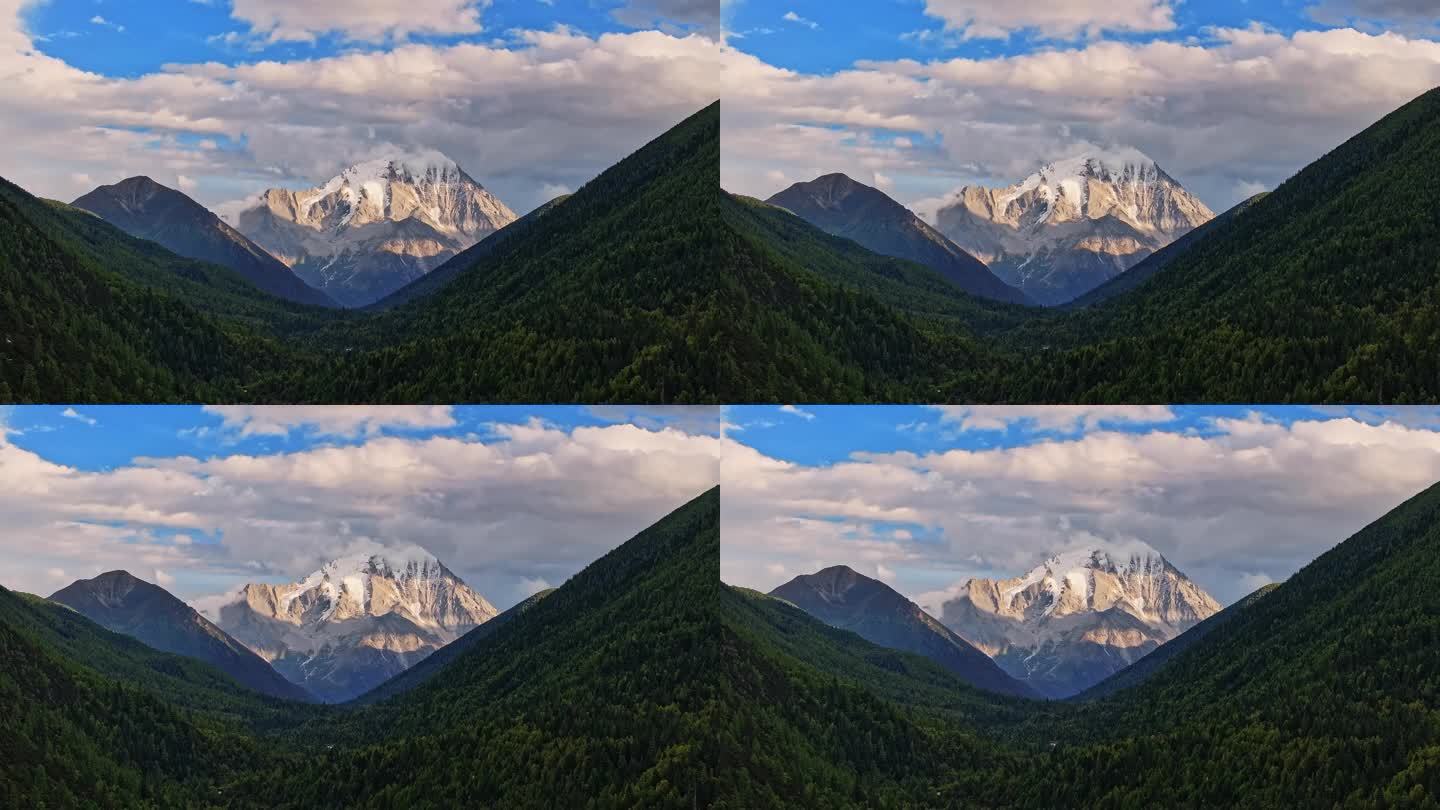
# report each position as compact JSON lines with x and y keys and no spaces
{"x":96,"y":719}
{"x":599,"y":695}
{"x":1322,"y":693}
{"x":1325,"y":290}
{"x":1146,"y":667}
{"x":609,"y":296}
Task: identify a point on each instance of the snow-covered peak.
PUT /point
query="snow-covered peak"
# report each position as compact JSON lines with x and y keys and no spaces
{"x":394,"y":563}
{"x":412,"y":167}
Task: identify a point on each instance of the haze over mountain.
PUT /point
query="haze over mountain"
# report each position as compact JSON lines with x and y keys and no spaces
{"x":1073,"y":224}
{"x":124,"y":604}
{"x":843,"y":598}
{"x":356,"y":622}
{"x":376,"y":226}
{"x":143,"y":208}
{"x":1079,"y":616}
{"x":841,"y":206}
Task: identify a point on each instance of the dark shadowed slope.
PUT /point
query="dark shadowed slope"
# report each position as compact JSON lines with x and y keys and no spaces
{"x":843,"y":207}
{"x":842,"y":598}
{"x":143,"y":208}
{"x":124,"y":604}
{"x":1160,"y":259}
{"x":438,"y":660}
{"x":596,"y":696}
{"x":1146,"y":667}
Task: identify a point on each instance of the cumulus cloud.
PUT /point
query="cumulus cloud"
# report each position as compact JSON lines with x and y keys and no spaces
{"x":1242,"y":499}
{"x":1240,"y":107}
{"x":531,"y":502}
{"x":369,"y":20}
{"x":701,"y":15}
{"x":1060,"y":418}
{"x":554,"y":107}
{"x":282,"y":420}
{"x":998,"y":19}
{"x":794,"y":411}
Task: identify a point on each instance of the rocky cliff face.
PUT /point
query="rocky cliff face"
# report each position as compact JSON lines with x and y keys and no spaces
{"x":377,"y":226}
{"x":357,"y":621}
{"x":1079,"y":616}
{"x":1074,"y":224}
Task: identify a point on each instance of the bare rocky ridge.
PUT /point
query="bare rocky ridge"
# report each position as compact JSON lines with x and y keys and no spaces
{"x":356,"y":622}
{"x":125,"y":604}
{"x":145,"y":209}
{"x":1074,"y":224}
{"x":1079,"y":616}
{"x":377,"y":226}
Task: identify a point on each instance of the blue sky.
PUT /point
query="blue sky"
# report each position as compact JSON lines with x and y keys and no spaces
{"x":188,"y":31}
{"x":886,"y":30}
{"x":201,"y":500}
{"x":827,"y":434}
{"x":925,"y":498}
{"x":224,"y":98}
{"x":1229,"y":96}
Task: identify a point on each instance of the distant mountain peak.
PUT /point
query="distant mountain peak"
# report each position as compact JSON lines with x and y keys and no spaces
{"x":377,"y":225}
{"x":842,"y":597}
{"x":356,"y":620}
{"x":841,"y":206}
{"x":1074,"y":223}
{"x":124,"y":603}
{"x":1080,"y":614}
{"x":146,"y":209}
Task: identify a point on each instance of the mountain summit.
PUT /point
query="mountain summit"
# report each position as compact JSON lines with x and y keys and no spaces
{"x":145,"y":209}
{"x":357,"y":621}
{"x":844,"y":598}
{"x":376,"y":226}
{"x":1074,"y":224}
{"x":844,"y":207}
{"x":122,"y":603}
{"x":1079,"y":616}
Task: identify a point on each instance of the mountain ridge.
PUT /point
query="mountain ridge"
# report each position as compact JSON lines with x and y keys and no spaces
{"x":357,"y":621}
{"x":842,"y":206}
{"x":375,"y":227}
{"x":1079,"y":616}
{"x":122,"y":603}
{"x":1073,"y":224}
{"x":843,"y":598}
{"x":146,"y":209}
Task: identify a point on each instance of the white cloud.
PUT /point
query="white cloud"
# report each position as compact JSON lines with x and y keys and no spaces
{"x":532,"y":502}
{"x":549,"y":107}
{"x":281,"y":420}
{"x":791,"y":16}
{"x":1256,"y":498}
{"x":533,"y":585}
{"x":794,"y":411}
{"x":71,"y":413}
{"x":1238,"y":106}
{"x":998,"y":19}
{"x":369,"y":20}
{"x":1059,"y":418}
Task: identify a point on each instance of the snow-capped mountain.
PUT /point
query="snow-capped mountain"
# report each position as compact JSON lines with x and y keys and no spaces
{"x":356,"y":622}
{"x":1073,"y":224}
{"x":376,"y":226}
{"x":1079,"y":616}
